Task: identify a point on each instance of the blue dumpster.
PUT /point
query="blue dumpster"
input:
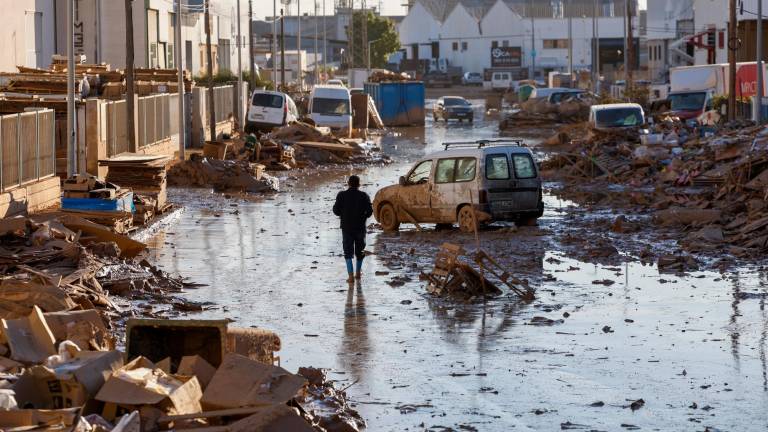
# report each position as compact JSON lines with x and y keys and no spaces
{"x":399,"y":103}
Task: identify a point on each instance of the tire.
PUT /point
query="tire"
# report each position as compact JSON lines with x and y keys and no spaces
{"x":388,"y":218}
{"x":466,"y":219}
{"x":443,"y":226}
{"x":471,"y":120}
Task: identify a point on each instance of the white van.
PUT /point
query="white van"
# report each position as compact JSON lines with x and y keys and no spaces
{"x":501,"y":80}
{"x":331,"y":106}
{"x":270,"y":109}
{"x":616,"y":116}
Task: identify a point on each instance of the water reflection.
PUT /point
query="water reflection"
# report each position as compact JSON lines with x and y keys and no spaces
{"x":733,"y":321}
{"x":355,"y":345}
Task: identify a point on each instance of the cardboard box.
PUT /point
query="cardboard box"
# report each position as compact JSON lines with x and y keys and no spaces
{"x":29,"y":339}
{"x":68,"y":385}
{"x":241,"y":382}
{"x":197,"y":366}
{"x":140,"y":382}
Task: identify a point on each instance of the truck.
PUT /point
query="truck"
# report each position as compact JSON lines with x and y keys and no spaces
{"x":692,"y":88}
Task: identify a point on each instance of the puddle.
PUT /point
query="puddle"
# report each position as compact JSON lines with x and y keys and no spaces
{"x":692,"y":347}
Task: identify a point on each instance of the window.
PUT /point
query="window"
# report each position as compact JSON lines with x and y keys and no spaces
{"x":420,"y":174}
{"x":523,"y":166}
{"x":465,"y":169}
{"x":558,"y":9}
{"x":455,"y":170}
{"x":607,"y":8}
{"x":444,"y":173}
{"x":267,"y":100}
{"x":455,"y":46}
{"x":329,"y":106}
{"x":464,"y":46}
{"x":555,"y":43}
{"x":495,"y":44}
{"x":505,"y":43}
{"x":153,"y":36}
{"x":496,"y":167}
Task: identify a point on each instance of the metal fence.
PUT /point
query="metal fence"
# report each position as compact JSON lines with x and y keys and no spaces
{"x":27,"y":148}
{"x":223,"y":100}
{"x":157,"y":121}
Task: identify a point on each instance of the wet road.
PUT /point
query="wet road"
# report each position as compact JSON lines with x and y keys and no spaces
{"x":693,"y":348}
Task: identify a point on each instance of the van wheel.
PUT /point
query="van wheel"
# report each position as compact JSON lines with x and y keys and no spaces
{"x":466,"y":219}
{"x":388,"y":218}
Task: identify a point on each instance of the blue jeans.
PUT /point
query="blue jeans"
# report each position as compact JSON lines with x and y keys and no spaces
{"x":353,"y":243}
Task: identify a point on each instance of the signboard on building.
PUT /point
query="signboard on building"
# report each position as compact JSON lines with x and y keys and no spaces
{"x":506,"y":57}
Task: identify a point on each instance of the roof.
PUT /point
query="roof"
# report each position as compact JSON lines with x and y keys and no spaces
{"x":616,"y":105}
{"x":440,"y":9}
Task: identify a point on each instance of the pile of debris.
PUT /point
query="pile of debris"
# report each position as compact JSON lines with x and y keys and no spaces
{"x":457,"y":279}
{"x":61,"y":372}
{"x":542,"y":113}
{"x":223,"y":175}
{"x":146,"y":176}
{"x":713,"y":183}
{"x":382,"y":75}
{"x":99,"y":201}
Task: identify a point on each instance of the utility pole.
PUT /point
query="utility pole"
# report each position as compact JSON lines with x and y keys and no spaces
{"x":251,"y":62}
{"x":325,"y":43}
{"x":364,"y":33}
{"x":209,"y":58}
{"x":301,"y":67}
{"x":630,"y":47}
{"x":533,"y":41}
{"x":129,"y":82}
{"x":274,"y":41}
{"x":180,"y":82}
{"x":314,"y":70}
{"x":760,"y":72}
{"x":239,"y":71}
{"x":282,"y":49}
{"x":71,"y":126}
{"x":570,"y":40}
{"x":624,"y":54}
{"x":732,"y":43}
{"x":595,"y":44}
{"x":351,"y":36}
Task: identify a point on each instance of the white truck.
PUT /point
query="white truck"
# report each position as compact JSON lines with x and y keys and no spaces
{"x":693,"y":87}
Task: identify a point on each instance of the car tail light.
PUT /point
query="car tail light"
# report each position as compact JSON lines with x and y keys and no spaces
{"x":483,"y":199}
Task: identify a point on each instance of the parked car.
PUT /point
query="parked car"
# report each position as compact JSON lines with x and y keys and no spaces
{"x":501,"y":80}
{"x":437,"y":79}
{"x":498,"y":179}
{"x":616,"y":116}
{"x":472,"y":78}
{"x":270,"y":109}
{"x":452,"y":107}
{"x":331,"y":105}
{"x":335,"y":82}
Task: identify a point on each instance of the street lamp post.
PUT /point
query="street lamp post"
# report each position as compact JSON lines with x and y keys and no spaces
{"x":369,"y":53}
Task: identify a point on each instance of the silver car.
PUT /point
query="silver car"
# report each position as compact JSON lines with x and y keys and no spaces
{"x":499,"y":180}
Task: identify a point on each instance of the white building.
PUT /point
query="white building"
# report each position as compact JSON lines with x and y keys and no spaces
{"x":26,"y":34}
{"x":467,"y":32}
{"x":31,"y":31}
{"x":670,"y":23}
{"x":711,"y":27}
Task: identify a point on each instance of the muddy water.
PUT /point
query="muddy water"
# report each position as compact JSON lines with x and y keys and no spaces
{"x":692,"y":347}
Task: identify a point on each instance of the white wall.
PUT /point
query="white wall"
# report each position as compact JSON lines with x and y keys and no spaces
{"x":420,"y":27}
{"x":663,"y":16}
{"x":26,"y":39}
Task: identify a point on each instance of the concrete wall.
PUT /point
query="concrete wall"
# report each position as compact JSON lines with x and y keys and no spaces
{"x":31,"y":198}
{"x":26,"y":34}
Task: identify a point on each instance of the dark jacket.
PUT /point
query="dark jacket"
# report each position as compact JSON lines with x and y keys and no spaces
{"x":353,"y":207}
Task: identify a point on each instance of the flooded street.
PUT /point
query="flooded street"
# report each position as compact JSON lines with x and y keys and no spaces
{"x":598,"y":339}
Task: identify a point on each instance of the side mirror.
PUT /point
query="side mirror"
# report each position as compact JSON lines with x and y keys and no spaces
{"x":402,"y":181}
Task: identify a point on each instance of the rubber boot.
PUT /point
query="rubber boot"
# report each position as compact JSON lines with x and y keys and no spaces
{"x":359,"y":274}
{"x":350,"y":271}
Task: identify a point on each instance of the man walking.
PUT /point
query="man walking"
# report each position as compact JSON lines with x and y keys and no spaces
{"x":353,"y":206}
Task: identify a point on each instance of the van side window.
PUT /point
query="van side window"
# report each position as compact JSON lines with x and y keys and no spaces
{"x":420,"y":174}
{"x":496,"y":167}
{"x":465,"y":169}
{"x":523,"y":166}
{"x":267,"y":100}
{"x":444,"y":173}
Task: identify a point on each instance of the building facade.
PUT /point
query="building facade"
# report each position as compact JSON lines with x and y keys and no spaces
{"x":475,"y":34}
{"x":27,"y":33}
{"x":669,"y":27}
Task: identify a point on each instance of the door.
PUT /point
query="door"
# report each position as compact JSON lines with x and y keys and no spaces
{"x":454,"y":185}
{"x":527,"y":183}
{"x":33,"y":30}
{"x":414,"y":195}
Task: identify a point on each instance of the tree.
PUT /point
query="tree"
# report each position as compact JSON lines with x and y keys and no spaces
{"x":382,"y":31}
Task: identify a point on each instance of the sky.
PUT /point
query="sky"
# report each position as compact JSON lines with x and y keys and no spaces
{"x":388,"y":7}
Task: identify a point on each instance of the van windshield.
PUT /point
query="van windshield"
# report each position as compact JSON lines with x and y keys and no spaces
{"x":267,"y":100}
{"x":618,"y":117}
{"x":329,"y":106}
{"x":688,"y":101}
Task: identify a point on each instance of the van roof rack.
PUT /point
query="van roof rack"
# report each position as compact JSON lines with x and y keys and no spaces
{"x":485,"y":143}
